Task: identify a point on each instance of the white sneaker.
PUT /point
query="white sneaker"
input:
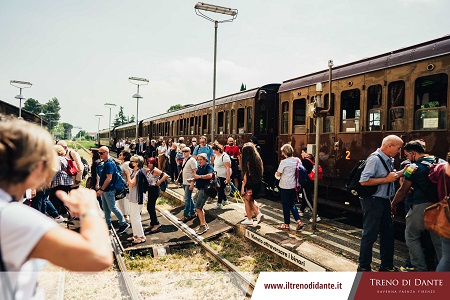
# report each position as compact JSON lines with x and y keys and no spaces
{"x":317,"y":219}
{"x":259,"y":218}
{"x":59,"y":219}
{"x":218,"y":206}
{"x":300,"y":213}
{"x":247,"y":222}
{"x":225,"y":202}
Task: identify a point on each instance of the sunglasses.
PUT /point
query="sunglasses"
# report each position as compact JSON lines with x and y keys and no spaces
{"x":185,"y":151}
{"x":101,"y":153}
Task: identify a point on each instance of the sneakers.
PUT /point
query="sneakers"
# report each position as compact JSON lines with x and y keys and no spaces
{"x":388,"y":269}
{"x":247,"y":222}
{"x":360,"y":269}
{"x":407,"y":269}
{"x":123,"y":228}
{"x":184,"y":219}
{"x":218,"y":206}
{"x":202,"y":229}
{"x":259,"y":218}
{"x":225,"y":202}
{"x":318,"y":219}
{"x":59,"y":219}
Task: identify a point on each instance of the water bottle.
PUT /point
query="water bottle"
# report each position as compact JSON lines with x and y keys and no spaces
{"x":409,"y":170}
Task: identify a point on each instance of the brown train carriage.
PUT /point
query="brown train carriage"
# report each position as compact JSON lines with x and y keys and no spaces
{"x":12,"y":110}
{"x":240,"y":115}
{"x":404,"y":92}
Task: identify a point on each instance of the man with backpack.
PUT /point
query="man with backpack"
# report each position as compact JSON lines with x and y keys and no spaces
{"x":107,"y":190}
{"x":377,"y":219}
{"x":203,"y":147}
{"x":423,"y":194}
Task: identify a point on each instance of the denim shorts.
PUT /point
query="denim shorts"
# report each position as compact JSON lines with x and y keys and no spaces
{"x":200,"y":199}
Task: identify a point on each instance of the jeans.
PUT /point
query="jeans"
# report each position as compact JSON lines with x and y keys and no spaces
{"x":414,"y":228}
{"x":376,"y":219}
{"x":288,"y":199}
{"x":189,"y":208}
{"x":153,"y":194}
{"x":109,"y":205}
{"x":43,"y":204}
{"x":444,"y":263}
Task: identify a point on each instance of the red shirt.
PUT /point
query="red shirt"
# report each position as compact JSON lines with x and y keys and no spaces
{"x":232,"y":151}
{"x":437,"y":176}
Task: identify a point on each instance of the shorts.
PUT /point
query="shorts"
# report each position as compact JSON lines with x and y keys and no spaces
{"x":253,"y":190}
{"x":200,"y":199}
{"x":236,"y":174}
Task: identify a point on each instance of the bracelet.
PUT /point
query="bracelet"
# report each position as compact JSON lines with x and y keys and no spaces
{"x":90,"y":212}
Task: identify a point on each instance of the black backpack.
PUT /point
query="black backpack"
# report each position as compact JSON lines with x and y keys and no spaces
{"x":352,"y":184}
{"x":430,"y":190}
{"x":86,"y":168}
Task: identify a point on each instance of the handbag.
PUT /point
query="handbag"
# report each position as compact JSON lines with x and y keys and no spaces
{"x":437,"y":216}
{"x":212,"y":186}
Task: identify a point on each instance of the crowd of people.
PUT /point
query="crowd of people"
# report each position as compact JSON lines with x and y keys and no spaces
{"x":34,"y":163}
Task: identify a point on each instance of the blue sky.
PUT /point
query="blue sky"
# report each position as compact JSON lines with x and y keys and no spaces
{"x":83,"y":52}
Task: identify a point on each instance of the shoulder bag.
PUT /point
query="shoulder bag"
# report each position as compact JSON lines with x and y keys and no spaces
{"x":437,"y":216}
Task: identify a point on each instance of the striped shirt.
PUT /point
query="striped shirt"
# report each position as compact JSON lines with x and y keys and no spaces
{"x":61,"y":177}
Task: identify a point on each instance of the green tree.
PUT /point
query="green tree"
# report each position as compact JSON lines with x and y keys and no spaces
{"x":174,"y":107}
{"x":67,"y":128}
{"x":33,"y":106}
{"x":120,"y":118}
{"x":243,"y":87}
{"x":132,"y":119}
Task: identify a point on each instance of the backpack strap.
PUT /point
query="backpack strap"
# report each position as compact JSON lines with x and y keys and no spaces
{"x":387,"y":169}
{"x":70,"y":154}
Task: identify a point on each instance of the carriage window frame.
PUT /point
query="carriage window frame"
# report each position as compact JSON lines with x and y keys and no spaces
{"x":328,"y":121}
{"x":374,"y":105}
{"x":396,"y":106}
{"x":220,"y":119}
{"x":227,"y":122}
{"x":299,"y":116}
{"x":241,"y":120}
{"x":430,"y":109}
{"x":249,"y":119}
{"x":350,"y":118}
{"x":284,"y":117}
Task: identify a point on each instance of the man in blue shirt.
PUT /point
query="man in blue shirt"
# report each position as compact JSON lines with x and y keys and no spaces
{"x":107,"y":191}
{"x":203,"y":175}
{"x":377,"y":208}
{"x":203,"y":147}
{"x":419,"y":182}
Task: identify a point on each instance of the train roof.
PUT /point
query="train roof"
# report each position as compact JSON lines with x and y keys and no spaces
{"x":9,"y":109}
{"x":125,"y":125}
{"x":219,"y":101}
{"x":426,"y":50}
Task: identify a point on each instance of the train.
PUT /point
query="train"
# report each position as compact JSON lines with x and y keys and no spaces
{"x":403,"y":92}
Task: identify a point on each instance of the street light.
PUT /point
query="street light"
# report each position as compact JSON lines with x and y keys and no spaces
{"x":21,"y":85}
{"x":221,"y":10}
{"x":98,"y":129}
{"x":41,"y":114}
{"x":110,"y":106}
{"x":137,"y":81}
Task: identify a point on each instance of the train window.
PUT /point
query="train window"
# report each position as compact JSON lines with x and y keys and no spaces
{"x":249,"y":119}
{"x":227,"y":122}
{"x":233,"y":117}
{"x":204,"y":124}
{"x":374,"y":101}
{"x":329,"y":119}
{"x":284,"y":117}
{"x":240,"y":120}
{"x":430,"y":102}
{"x":220,"y":122}
{"x":350,"y":111}
{"x":396,"y":102}
{"x":191,"y":125}
{"x":299,"y":116}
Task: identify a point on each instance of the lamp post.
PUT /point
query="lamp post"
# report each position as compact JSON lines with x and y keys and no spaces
{"x":137,"y":81}
{"x":79,"y":136}
{"x":110,"y":106}
{"x":21,"y":85}
{"x":98,"y":129}
{"x":199,"y":7}
{"x":41,"y":115}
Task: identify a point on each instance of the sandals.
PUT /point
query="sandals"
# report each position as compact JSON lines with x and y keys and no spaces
{"x":155,"y":228}
{"x":299,"y":226}
{"x":149,"y":228}
{"x":139,"y":240}
{"x":284,"y":227}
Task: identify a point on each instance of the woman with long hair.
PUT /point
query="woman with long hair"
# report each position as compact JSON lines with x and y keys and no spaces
{"x":28,"y":161}
{"x":137,"y":182}
{"x":222,"y":166}
{"x":288,"y":183}
{"x":154,"y":180}
{"x":252,"y":175}
{"x":124,"y":203}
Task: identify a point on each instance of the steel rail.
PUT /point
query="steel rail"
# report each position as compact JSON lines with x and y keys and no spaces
{"x":198,"y":239}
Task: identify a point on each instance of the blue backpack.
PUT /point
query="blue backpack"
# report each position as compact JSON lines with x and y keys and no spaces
{"x":118,"y":181}
{"x":301,"y":175}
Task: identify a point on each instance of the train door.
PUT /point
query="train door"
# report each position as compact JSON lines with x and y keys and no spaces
{"x":265,"y":126}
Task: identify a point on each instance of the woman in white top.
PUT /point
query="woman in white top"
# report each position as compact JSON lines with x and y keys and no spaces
{"x":288,"y":183}
{"x":222,"y":166}
{"x":137,"y":182}
{"x":162,"y":149}
{"x":28,"y":160}
{"x":124,"y":204}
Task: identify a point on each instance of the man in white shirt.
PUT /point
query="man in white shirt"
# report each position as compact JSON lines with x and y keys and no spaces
{"x":189,"y":168}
